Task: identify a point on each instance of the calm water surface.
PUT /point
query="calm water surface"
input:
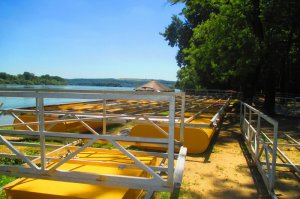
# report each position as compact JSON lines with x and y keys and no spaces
{"x":13,"y":102}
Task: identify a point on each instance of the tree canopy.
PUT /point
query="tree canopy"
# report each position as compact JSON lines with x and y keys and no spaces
{"x":246,"y":45}
{"x":28,"y":78}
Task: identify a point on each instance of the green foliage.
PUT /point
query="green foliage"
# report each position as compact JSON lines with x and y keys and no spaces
{"x":188,"y":78}
{"x":164,"y":113}
{"x":164,"y":195}
{"x":34,"y":151}
{"x":30,"y":79}
{"x":182,"y":194}
{"x":6,"y":179}
{"x":103,"y":145}
{"x":99,"y":145}
{"x":223,"y":48}
{"x":7,"y":128}
{"x":247,"y":45}
{"x":9,"y":161}
{"x":3,"y":181}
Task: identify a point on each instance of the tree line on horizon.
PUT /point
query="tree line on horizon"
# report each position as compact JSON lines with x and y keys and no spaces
{"x":28,"y":78}
{"x":112,"y":82}
{"x":246,"y":45}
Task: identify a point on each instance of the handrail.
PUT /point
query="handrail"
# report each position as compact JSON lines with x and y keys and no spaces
{"x":258,"y":147}
{"x":156,"y":183}
{"x":41,"y":90}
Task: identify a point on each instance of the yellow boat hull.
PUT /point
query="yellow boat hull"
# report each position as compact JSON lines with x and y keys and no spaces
{"x":49,"y":189}
{"x":196,"y":140}
{"x":68,"y":126}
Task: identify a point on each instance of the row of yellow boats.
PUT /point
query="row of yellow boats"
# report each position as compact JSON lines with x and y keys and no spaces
{"x":198,"y":131}
{"x":147,"y":120}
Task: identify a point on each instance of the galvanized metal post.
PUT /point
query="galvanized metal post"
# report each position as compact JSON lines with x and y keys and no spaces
{"x":104,"y":117}
{"x":244,"y":117}
{"x":171,"y":140}
{"x":182,"y":119}
{"x":274,"y":156}
{"x":37,"y":109}
{"x":241,"y":108}
{"x":257,"y":137}
{"x":249,"y":121}
{"x":157,"y":183}
{"x":41,"y":128}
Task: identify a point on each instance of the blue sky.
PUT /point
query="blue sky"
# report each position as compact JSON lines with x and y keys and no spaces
{"x":87,"y":38}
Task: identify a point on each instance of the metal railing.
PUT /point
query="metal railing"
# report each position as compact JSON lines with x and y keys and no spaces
{"x":47,"y":166}
{"x":287,"y":105}
{"x":262,"y":149}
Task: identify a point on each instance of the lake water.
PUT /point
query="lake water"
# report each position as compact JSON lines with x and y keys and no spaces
{"x":12,"y":102}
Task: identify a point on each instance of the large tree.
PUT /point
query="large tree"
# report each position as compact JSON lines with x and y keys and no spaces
{"x":249,"y":45}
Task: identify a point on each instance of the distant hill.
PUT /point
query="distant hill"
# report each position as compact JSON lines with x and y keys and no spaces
{"x":28,"y":78}
{"x":124,"y":82}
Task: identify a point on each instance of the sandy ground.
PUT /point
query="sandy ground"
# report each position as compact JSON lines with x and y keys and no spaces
{"x":226,"y":170}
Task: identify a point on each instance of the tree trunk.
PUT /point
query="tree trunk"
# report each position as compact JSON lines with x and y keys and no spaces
{"x":270,"y":90}
{"x":269,"y":105}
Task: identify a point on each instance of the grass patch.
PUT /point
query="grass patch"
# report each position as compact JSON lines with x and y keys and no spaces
{"x":182,"y":194}
{"x":99,"y":145}
{"x":34,"y":151}
{"x":9,"y":161}
{"x":263,"y":138}
{"x":37,"y":140}
{"x":7,"y":179}
{"x":7,"y":128}
{"x":163,"y":195}
{"x":31,"y":140}
{"x":164,"y":113}
{"x":3,"y":181}
{"x":103,"y":145}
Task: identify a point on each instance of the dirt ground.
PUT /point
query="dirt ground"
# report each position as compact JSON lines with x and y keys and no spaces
{"x":227,"y":170}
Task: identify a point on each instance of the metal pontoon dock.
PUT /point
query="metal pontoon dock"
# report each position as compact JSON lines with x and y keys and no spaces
{"x":77,"y":159}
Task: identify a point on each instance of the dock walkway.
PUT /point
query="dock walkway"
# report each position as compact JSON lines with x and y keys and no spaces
{"x":225,"y":170}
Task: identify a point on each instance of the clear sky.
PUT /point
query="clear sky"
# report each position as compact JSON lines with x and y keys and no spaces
{"x":87,"y":38}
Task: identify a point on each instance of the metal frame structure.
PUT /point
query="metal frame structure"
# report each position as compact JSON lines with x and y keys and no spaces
{"x":263,"y":151}
{"x":268,"y":138}
{"x":287,"y":105}
{"x":285,"y":161}
{"x":38,"y":167}
{"x":203,"y":106}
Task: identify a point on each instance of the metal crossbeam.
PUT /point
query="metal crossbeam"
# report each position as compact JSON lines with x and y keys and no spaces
{"x":263,"y":150}
{"x":50,"y":162}
{"x":18,"y":153}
